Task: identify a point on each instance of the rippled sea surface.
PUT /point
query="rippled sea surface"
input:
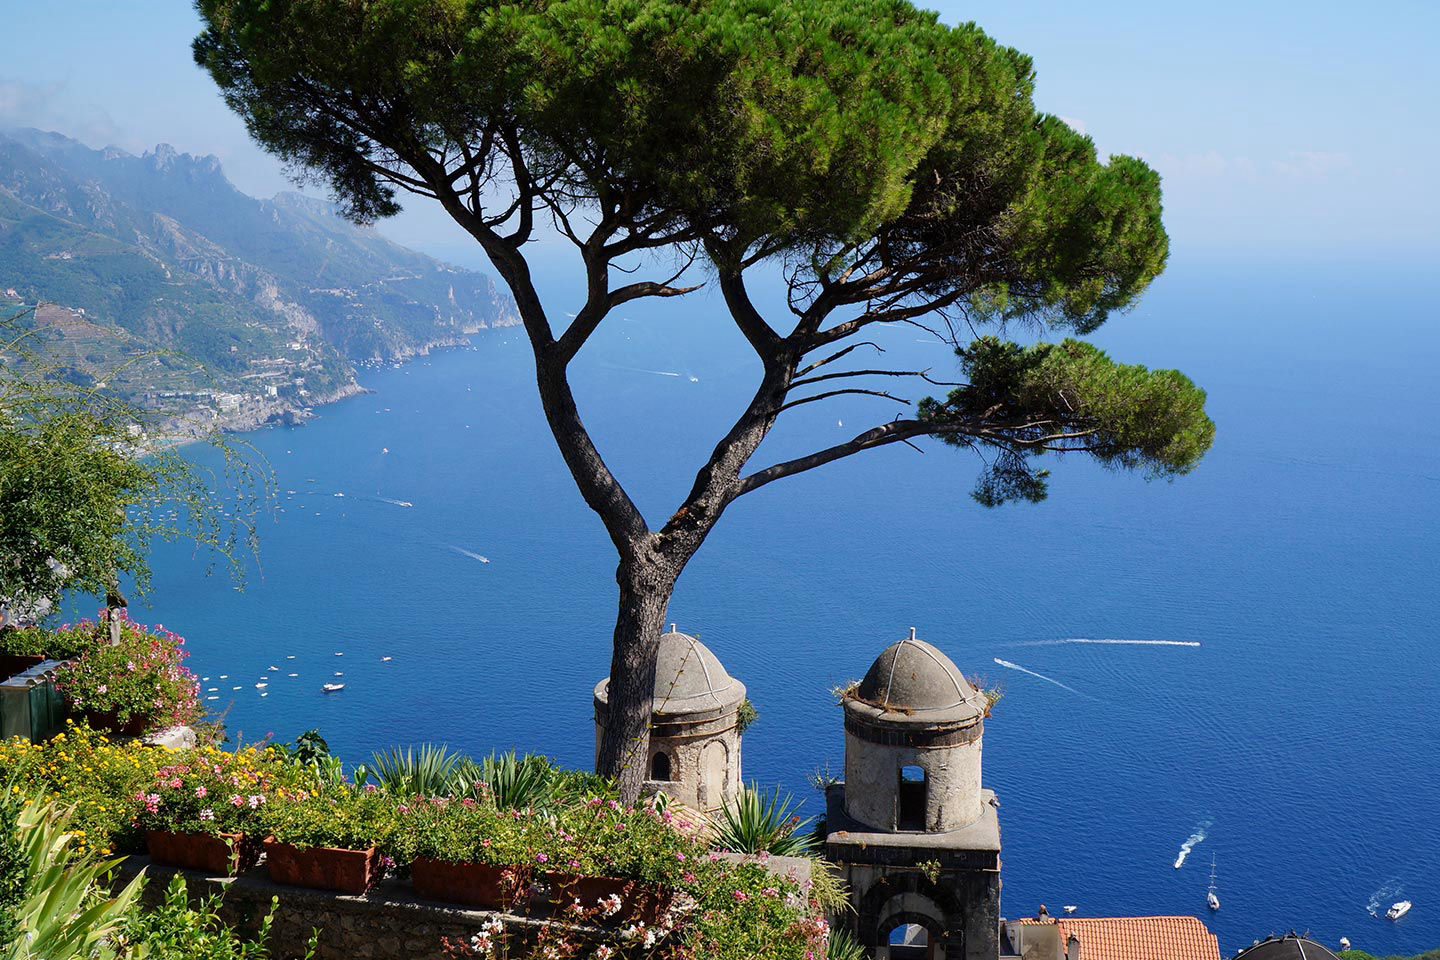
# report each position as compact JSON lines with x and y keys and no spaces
{"x":1246,"y":656}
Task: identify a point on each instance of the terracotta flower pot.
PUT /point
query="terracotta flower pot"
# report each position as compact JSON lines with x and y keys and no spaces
{"x":107,"y":722}
{"x":473,"y":884}
{"x":12,"y":664}
{"x":323,"y":868}
{"x":227,"y":854}
{"x":637,"y":900}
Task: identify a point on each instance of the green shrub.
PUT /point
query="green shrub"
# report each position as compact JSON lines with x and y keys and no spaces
{"x":63,"y":911}
{"x":344,"y":817}
{"x":12,"y":873}
{"x":141,"y":676}
{"x":63,"y":643}
{"x":429,"y":770}
{"x":213,"y":791}
{"x":756,"y":822}
{"x":176,"y":931}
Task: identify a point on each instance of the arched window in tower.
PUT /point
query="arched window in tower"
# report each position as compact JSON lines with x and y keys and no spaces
{"x":660,"y":766}
{"x":910,"y":814}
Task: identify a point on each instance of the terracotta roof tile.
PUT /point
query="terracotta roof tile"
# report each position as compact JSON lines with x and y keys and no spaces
{"x":1138,"y":938}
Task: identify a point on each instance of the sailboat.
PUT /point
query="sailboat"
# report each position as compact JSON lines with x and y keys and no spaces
{"x":1212,"y":901}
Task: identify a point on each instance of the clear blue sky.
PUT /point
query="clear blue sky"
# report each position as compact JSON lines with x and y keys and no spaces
{"x":1285,"y":130}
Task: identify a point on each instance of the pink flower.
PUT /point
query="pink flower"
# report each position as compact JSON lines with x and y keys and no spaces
{"x":201,"y":792}
{"x":176,"y":783}
{"x":236,"y":800}
{"x":152,"y":803}
{"x":207,"y":814}
{"x":740,"y":896}
{"x":542,"y":858}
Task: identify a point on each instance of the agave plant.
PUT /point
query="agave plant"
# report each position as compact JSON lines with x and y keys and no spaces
{"x":518,"y":783}
{"x":843,"y":946}
{"x":425,"y":771}
{"x":757,"y":822}
{"x":62,"y":910}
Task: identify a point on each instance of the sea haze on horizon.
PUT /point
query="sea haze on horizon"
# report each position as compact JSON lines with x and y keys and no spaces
{"x":1289,"y":717}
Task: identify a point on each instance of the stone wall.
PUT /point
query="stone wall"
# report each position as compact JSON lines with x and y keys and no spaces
{"x":388,"y":922}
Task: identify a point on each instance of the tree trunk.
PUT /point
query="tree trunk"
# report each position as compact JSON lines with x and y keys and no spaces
{"x":625,"y":746}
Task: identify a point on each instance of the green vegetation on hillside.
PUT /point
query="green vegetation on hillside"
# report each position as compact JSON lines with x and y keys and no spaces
{"x":267,"y":302}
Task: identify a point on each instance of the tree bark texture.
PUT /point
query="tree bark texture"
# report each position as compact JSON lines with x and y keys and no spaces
{"x":639,"y":623}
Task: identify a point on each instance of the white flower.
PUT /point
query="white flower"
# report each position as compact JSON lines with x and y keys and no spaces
{"x":610,"y":905}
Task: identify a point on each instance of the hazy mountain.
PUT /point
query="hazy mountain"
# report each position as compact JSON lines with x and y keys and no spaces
{"x":273,"y":298}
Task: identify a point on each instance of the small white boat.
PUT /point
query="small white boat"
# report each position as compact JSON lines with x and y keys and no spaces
{"x":332,"y":687}
{"x":386,"y":659}
{"x":1070,"y":908}
{"x":1398,"y":910}
{"x":261,"y":686}
{"x":1212,"y":901}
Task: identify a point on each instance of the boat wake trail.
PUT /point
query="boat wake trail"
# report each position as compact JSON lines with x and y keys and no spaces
{"x":658,"y":373}
{"x":1113,"y":641}
{"x":398,"y":503}
{"x":1190,"y":842}
{"x":1381,"y":899}
{"x":471,"y":554}
{"x":1040,"y":676}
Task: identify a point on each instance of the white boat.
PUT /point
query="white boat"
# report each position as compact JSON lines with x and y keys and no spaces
{"x":1070,"y":908}
{"x":332,"y":687}
{"x":1398,"y":910}
{"x":1212,"y":901}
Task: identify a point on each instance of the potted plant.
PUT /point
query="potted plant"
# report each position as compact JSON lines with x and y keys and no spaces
{"x":25,"y":647}
{"x":464,"y":851}
{"x":328,"y":841}
{"x":202,"y":813}
{"x":134,"y":685}
{"x":617,"y":859}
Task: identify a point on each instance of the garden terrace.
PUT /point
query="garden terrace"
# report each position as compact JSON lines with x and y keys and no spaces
{"x":560,"y":862}
{"x":388,"y":921}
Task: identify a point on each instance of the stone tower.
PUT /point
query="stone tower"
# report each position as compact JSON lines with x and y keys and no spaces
{"x":694,"y":734}
{"x":915,"y":835}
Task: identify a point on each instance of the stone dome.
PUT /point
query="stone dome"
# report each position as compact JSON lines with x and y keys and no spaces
{"x":914,"y":678}
{"x":1291,"y":946}
{"x":688,"y":678}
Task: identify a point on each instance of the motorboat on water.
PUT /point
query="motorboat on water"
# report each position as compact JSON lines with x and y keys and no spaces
{"x":1211,"y":900}
{"x":332,"y":687}
{"x":1398,"y":910}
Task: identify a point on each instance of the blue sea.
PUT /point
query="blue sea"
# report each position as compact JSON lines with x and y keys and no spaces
{"x":1242,"y":663}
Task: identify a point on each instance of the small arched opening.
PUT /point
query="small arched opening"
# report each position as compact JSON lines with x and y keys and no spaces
{"x":910,"y":799}
{"x":911,"y":936}
{"x":660,"y":766}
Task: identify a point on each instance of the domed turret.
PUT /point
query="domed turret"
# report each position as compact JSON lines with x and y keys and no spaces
{"x":914,"y":680}
{"x":694,"y":734}
{"x":913,"y":731}
{"x":915,"y":837}
{"x":1291,"y":946}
